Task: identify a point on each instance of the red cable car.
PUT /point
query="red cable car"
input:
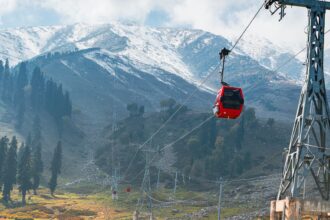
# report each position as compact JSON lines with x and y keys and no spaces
{"x":229,"y":102}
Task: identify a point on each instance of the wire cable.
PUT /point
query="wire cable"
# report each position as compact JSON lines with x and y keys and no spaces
{"x":188,"y":98}
{"x":289,"y":60}
{"x":248,"y":26}
{"x":187,"y":134}
{"x":294,"y":56}
{"x":170,"y":118}
{"x":183,"y":136}
{"x":192,"y":94}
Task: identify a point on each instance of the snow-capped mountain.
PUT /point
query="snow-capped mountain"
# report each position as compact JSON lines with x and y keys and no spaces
{"x":121,"y":63}
{"x":274,"y":57}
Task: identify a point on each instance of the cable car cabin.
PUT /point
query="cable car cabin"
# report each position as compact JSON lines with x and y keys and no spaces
{"x":229,"y":102}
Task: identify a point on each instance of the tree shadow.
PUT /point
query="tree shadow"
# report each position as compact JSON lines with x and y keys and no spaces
{"x":12,"y":204}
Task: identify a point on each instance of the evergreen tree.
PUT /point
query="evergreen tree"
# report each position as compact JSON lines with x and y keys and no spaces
{"x":20,"y":152}
{"x":135,"y":110}
{"x":19,"y":95}
{"x":240,"y":133}
{"x":6,"y":82}
{"x":37,"y":168}
{"x":68,"y":104}
{"x":36,"y":132}
{"x":10,"y":169}
{"x":208,"y":136}
{"x":270,"y":122}
{"x":141,"y":110}
{"x":57,"y":104}
{"x":37,"y":89}
{"x":10,"y":89}
{"x":24,"y":172}
{"x":168,"y":104}
{"x":132,"y":109}
{"x":2,"y":69}
{"x":59,"y":107}
{"x":7,"y":70}
{"x":37,"y":164}
{"x":22,"y":78}
{"x":50,"y":96}
{"x":20,"y":115}
{"x":21,"y":82}
{"x":3,"y":153}
{"x":55,"y":167}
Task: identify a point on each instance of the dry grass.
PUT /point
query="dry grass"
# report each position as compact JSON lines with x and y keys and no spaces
{"x":66,"y":206}
{"x":98,"y":206}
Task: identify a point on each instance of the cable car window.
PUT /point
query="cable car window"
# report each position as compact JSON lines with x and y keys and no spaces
{"x":232,"y":99}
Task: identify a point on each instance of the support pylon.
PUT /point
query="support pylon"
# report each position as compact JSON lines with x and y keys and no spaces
{"x":306,"y":154}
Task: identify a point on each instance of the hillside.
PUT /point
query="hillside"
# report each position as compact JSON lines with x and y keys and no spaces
{"x":219,"y":147}
{"x":105,"y":67}
{"x":162,"y":53}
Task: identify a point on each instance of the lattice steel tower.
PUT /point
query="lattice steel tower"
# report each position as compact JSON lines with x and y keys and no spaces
{"x":307,"y":153}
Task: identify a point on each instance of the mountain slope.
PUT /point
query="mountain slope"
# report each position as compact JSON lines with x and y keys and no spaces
{"x":105,"y":67}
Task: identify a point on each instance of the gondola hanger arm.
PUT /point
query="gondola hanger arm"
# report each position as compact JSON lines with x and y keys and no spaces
{"x":223,"y":54}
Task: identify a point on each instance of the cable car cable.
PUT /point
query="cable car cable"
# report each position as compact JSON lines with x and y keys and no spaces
{"x":294,"y":56}
{"x":177,"y":140}
{"x":226,"y":52}
{"x":289,"y":60}
{"x":188,"y":133}
{"x":284,"y":63}
{"x":248,"y":26}
{"x":170,"y":118}
{"x":183,"y":136}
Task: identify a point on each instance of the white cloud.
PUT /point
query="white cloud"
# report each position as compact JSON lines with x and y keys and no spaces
{"x":229,"y":18}
{"x":7,"y":6}
{"x":99,"y":11}
{"x":222,"y":17}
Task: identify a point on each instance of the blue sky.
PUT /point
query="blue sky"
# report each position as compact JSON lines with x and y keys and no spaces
{"x":223,"y":17}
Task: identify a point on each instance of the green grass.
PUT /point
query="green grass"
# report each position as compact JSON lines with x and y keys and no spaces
{"x":80,"y":206}
{"x":127,"y":202}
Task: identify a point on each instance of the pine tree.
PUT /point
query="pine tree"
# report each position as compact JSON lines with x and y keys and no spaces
{"x":37,"y":168}
{"x":2,"y":69}
{"x":20,"y":115}
{"x":3,"y":153}
{"x":6,"y":82}
{"x":19,"y":94}
{"x":24,"y":173}
{"x":36,"y":132}
{"x":21,"y":82}
{"x":57,"y":103}
{"x":7,"y":70}
{"x":55,"y":167}
{"x":50,"y":96}
{"x":37,"y":89}
{"x":67,"y":104}
{"x":59,"y":110}
{"x":10,"y":169}
{"x":20,"y":152}
{"x":10,"y":89}
{"x":22,"y":78}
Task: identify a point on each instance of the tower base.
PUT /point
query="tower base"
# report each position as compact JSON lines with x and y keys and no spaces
{"x":296,"y":209}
